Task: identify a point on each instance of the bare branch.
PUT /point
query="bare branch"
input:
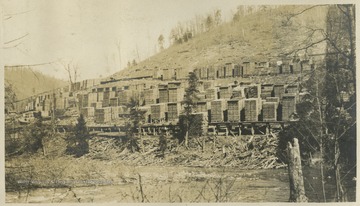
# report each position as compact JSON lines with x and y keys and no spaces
{"x":336,"y":48}
{"x":8,"y":16}
{"x":14,"y":46}
{"x":342,"y":134}
{"x":8,"y":42}
{"x":304,"y":48}
{"x":32,"y":65}
{"x":343,"y":11}
{"x":290,"y":16}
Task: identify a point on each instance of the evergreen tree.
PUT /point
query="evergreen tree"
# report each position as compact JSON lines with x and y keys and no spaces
{"x":190,"y":102}
{"x":162,"y":144}
{"x":10,"y":98}
{"x":134,"y":124}
{"x":35,"y":134}
{"x":78,"y":142}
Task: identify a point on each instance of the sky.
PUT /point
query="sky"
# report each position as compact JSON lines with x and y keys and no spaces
{"x":98,"y":37}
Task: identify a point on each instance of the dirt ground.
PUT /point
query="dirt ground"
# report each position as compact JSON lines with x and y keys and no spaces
{"x":110,"y":173}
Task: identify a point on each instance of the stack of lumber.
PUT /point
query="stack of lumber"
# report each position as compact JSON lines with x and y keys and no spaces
{"x":211,"y":93}
{"x":175,"y":94}
{"x":211,"y":73}
{"x":173,"y":111}
{"x":269,"y":111}
{"x":124,"y":97}
{"x":272,"y":99}
{"x":279,"y":90}
{"x":288,"y":106}
{"x":237,"y":71}
{"x":158,"y":112}
{"x":113,"y":102}
{"x":114,"y":113}
{"x":252,"y":109}
{"x":203,"y":106}
{"x":103,"y":115}
{"x":253,"y":91}
{"x":203,"y":73}
{"x":225,"y":92}
{"x":87,"y":112}
{"x":238,"y":92}
{"x":174,"y":84}
{"x":208,"y":85}
{"x":100,"y":96}
{"x":217,"y":110}
{"x":96,"y":105}
{"x":92,"y":98}
{"x":163,"y":95}
{"x":234,"y":107}
{"x":292,"y":89}
{"x":266,"y":90}
{"x":150,"y":95}
{"x":228,"y":69}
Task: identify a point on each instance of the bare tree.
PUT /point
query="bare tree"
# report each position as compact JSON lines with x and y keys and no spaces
{"x":161,"y":42}
{"x":118,"y":46}
{"x":217,"y":17}
{"x":72,"y":71}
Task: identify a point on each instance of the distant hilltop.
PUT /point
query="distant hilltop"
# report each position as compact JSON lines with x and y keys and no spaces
{"x":266,"y":35}
{"x":27,"y":82}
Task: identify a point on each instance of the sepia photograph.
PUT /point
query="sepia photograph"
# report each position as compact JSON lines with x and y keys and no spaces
{"x":178,"y":101}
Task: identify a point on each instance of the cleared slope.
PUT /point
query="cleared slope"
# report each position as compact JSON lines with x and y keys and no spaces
{"x":261,"y":36}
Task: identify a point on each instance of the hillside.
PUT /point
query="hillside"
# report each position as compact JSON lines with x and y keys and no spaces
{"x":27,"y":82}
{"x":260,"y":36}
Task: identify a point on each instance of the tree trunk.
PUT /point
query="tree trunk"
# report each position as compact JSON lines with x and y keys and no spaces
{"x":141,"y":141}
{"x":187,"y":134}
{"x":297,"y":190}
{"x":340,"y":193}
{"x":203,"y":144}
{"x":43,"y":147}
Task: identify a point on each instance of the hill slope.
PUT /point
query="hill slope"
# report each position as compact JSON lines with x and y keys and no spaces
{"x":261,"y":36}
{"x":27,"y":82}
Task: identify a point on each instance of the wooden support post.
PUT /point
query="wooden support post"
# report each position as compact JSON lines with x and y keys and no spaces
{"x":252,"y":130}
{"x":203,"y":144}
{"x":240,"y":129}
{"x":267,"y":129}
{"x":224,"y":150}
{"x":167,"y":132}
{"x":297,"y":190}
{"x":214,"y":146}
{"x":144,"y":132}
{"x":226,"y":131}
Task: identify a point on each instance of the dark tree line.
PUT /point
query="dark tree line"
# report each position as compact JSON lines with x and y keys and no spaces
{"x":34,"y":138}
{"x":327,"y":115}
